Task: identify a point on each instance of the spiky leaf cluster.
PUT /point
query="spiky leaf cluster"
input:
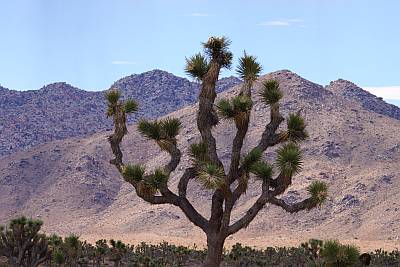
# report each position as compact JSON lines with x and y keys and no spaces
{"x":318,"y":191}
{"x":211,"y":176}
{"x":248,"y":69}
{"x":166,"y":129}
{"x":237,"y":106}
{"x":262,"y":170}
{"x":113,"y":96}
{"x":157,"y":179}
{"x":251,"y":158}
{"x":289,"y":159}
{"x":242,"y":103}
{"x":170,"y":127}
{"x":150,"y":129}
{"x":271,"y":93}
{"x":133,"y":173}
{"x":225,"y":109}
{"x":198,"y":152}
{"x":336,"y":254}
{"x":296,"y":128}
{"x":217,"y":48}
{"x":197,"y":66}
{"x":131,"y":106}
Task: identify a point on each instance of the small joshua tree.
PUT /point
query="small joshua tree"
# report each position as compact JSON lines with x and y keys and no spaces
{"x":227,"y":184}
{"x":22,"y":244}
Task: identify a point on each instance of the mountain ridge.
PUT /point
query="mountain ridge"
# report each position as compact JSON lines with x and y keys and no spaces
{"x":59,"y":110}
{"x":354,"y":149}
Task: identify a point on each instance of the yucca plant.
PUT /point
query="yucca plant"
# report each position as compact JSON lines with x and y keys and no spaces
{"x":251,"y":158}
{"x":211,"y":176}
{"x":198,"y":152}
{"x":133,"y":173}
{"x":248,"y":68}
{"x":22,"y":244}
{"x":335,"y":254}
{"x":131,"y":106}
{"x":289,"y":159}
{"x":271,"y":93}
{"x":296,"y":128}
{"x":197,"y":66}
{"x":227,"y":184}
{"x":318,"y":191}
{"x":262,"y":170}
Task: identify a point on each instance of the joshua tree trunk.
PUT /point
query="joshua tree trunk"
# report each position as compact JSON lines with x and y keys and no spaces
{"x":215,"y":247}
{"x":227,"y":186}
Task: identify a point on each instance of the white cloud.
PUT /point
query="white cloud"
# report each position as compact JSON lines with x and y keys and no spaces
{"x":198,"y":15}
{"x":388,"y":92}
{"x":123,"y":62}
{"x":283,"y":23}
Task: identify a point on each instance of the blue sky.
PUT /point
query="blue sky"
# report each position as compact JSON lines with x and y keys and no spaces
{"x":91,"y":43}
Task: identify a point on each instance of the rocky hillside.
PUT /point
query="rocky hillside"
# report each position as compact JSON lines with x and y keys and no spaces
{"x":59,"y":110}
{"x":70,"y":184}
{"x":369,"y":101}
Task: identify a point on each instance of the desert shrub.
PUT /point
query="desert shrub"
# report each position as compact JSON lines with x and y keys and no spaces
{"x":22,"y":244}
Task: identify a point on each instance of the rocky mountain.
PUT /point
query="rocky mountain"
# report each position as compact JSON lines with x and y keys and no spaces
{"x":73,"y":188}
{"x":369,"y":101}
{"x":59,"y":110}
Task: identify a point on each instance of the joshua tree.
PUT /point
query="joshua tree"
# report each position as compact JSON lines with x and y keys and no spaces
{"x":227,"y":184}
{"x":22,"y":244}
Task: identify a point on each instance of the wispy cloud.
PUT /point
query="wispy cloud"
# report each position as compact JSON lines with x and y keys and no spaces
{"x":123,"y":62}
{"x":198,"y":15}
{"x":283,"y":23}
{"x":387,"y":92}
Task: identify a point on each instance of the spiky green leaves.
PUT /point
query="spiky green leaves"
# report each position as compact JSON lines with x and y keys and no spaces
{"x":249,"y":69}
{"x":151,"y":130}
{"x":296,"y":128}
{"x":166,"y":129}
{"x":225,"y":109}
{"x":271,"y":92}
{"x":157,"y":179}
{"x":217,"y":48}
{"x":251,"y":158}
{"x":197,"y":66}
{"x":170,"y":127}
{"x":237,"y":106}
{"x":242,"y":103}
{"x":28,"y":224}
{"x":262,"y":170}
{"x":336,"y":254}
{"x":289,"y":159}
{"x":131,"y":106}
{"x":198,"y":152}
{"x":211,"y":176}
{"x":318,"y":191}
{"x":133,"y":173}
{"x":113,"y":96}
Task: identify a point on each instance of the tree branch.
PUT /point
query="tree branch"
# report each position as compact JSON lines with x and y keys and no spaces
{"x":251,"y":213}
{"x":241,"y":132}
{"x":308,"y":203}
{"x":183,"y":182}
{"x":115,"y":139}
{"x":269,"y":136}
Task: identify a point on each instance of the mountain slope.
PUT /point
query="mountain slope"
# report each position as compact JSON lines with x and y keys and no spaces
{"x":369,"y":101}
{"x":59,"y":110}
{"x":71,"y":185}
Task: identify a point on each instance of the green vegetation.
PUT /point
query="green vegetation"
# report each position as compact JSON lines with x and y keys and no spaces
{"x":71,"y":251}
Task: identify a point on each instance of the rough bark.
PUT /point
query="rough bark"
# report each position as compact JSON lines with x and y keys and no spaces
{"x":215,"y":247}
